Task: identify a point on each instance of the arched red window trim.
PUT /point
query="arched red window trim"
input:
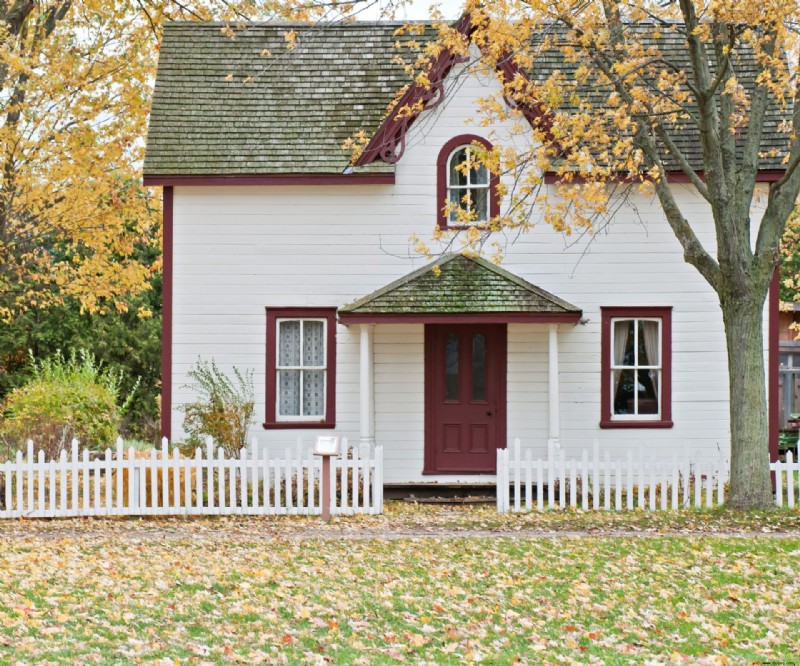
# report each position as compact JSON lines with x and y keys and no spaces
{"x":441,"y":178}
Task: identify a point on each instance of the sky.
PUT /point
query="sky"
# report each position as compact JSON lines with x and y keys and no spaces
{"x":417,"y":10}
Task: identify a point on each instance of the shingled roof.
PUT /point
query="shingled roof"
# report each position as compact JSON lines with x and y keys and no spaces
{"x":223,"y":107}
{"x":458,"y":284}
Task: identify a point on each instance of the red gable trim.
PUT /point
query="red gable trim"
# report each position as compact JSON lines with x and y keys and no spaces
{"x":388,"y":142}
{"x":273,"y":179}
{"x":463,"y":318}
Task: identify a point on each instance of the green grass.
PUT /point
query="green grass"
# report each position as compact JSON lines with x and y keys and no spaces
{"x":246,"y":590}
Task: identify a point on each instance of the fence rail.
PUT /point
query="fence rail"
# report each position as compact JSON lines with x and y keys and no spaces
{"x":163,"y":482}
{"x":592,"y":482}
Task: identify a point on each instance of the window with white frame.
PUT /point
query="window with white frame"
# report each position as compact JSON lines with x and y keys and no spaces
{"x":467,"y":186}
{"x":636,"y":367}
{"x":301,"y":369}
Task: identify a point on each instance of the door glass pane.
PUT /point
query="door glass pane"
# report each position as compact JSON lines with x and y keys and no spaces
{"x":451,"y":367}
{"x":478,"y":367}
{"x":289,"y":343}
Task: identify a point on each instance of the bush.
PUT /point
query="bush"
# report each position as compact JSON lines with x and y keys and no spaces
{"x":64,"y":399}
{"x":225,"y":408}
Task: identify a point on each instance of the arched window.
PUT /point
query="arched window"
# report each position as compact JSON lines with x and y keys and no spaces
{"x":464,"y":184}
{"x":467,"y":186}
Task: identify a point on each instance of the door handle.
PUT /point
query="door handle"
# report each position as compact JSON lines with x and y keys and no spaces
{"x":489,"y":413}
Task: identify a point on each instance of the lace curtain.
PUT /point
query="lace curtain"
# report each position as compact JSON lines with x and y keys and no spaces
{"x":301,"y":373}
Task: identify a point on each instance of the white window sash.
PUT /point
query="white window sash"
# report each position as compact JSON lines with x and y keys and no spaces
{"x":301,"y":418}
{"x":636,"y":416}
{"x":469,"y":185}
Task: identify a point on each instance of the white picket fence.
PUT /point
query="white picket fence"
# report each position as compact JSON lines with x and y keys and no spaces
{"x":161,"y":482}
{"x":592,"y":482}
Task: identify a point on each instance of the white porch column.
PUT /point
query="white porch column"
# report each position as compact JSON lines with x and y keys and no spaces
{"x":555,"y":417}
{"x":367,"y":385}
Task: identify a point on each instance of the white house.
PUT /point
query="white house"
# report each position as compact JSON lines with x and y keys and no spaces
{"x":282,"y":257}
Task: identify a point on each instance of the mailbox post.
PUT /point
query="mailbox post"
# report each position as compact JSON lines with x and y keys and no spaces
{"x":326,"y":446}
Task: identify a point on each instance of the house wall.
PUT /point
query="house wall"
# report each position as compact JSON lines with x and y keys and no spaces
{"x":239,"y":249}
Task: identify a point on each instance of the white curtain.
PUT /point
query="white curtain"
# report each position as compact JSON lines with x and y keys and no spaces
{"x":313,"y":380}
{"x":650,"y":333}
{"x":621,"y":331}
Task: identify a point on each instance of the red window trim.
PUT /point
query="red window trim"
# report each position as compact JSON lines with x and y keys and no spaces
{"x":273,"y":314}
{"x":441,"y":178}
{"x":665,"y":314}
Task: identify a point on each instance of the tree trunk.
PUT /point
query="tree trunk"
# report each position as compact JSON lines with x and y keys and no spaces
{"x":750,"y":484}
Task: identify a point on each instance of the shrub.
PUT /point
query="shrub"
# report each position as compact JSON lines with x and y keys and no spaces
{"x":65,"y":398}
{"x":224,"y":409}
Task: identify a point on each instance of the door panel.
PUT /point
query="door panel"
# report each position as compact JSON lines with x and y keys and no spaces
{"x":465,"y":397}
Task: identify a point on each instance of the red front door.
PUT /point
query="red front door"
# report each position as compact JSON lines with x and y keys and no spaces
{"x":465,"y":397}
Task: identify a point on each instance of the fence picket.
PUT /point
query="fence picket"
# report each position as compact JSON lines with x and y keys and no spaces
{"x":585,"y":481}
{"x":790,"y":467}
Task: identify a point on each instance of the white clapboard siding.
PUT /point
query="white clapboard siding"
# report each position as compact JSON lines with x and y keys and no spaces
{"x":161,"y":482}
{"x":239,"y":249}
{"x":595,"y":482}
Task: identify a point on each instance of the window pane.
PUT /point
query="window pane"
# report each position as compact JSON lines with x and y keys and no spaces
{"x":623,"y":342}
{"x":451,"y":367}
{"x":455,"y":201}
{"x":649,"y":343}
{"x":314,"y":393}
{"x":648,"y":391}
{"x":478,"y":367}
{"x":458,"y":176}
{"x":289,"y":343}
{"x":480,"y":204}
{"x":313,"y":343}
{"x":478,"y":174}
{"x":289,"y":392}
{"x":623,"y":391}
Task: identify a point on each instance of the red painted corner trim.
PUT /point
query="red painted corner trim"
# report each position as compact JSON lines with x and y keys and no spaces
{"x":462,"y":318}
{"x":774,"y":364}
{"x":606,"y":314}
{"x":272,"y":179}
{"x":442,"y":178}
{"x":166,"y":313}
{"x":765,"y":176}
{"x":273,"y":314}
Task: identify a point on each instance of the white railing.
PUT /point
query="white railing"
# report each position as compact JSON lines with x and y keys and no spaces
{"x":163,"y":482}
{"x":592,"y":482}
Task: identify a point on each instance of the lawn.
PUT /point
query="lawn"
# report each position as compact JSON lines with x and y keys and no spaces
{"x":377,"y":590}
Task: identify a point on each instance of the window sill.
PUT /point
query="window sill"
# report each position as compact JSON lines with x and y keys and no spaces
{"x":298,"y":425}
{"x":635,"y":424}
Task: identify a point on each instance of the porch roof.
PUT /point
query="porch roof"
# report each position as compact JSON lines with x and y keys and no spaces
{"x":460,"y":288}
